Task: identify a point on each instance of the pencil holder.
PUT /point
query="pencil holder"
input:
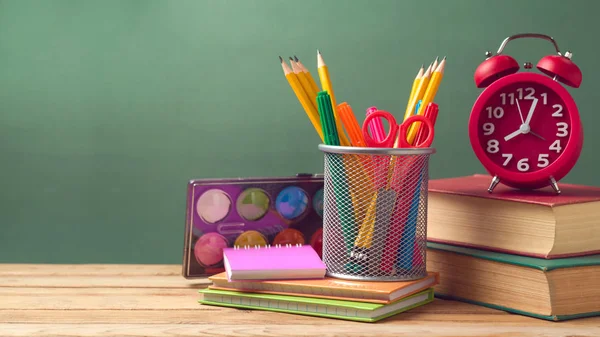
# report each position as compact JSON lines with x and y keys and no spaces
{"x":375,"y":212}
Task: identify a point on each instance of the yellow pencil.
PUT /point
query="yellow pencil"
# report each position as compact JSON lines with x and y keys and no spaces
{"x":311,"y":112}
{"x":310,"y":93}
{"x":435,"y":64}
{"x":425,"y":81}
{"x":415,"y":85}
{"x":310,"y":78}
{"x":428,"y":97}
{"x":419,"y":92}
{"x":326,"y":84}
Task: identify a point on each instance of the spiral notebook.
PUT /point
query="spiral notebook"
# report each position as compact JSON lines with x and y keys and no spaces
{"x":273,"y":263}
{"x":320,"y":307}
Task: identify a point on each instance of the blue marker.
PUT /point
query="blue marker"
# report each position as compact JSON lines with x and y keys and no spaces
{"x":418,"y":106}
{"x":407,"y":243}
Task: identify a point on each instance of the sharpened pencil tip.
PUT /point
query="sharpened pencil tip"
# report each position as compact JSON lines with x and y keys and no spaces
{"x":280,"y":59}
{"x":318,"y":52}
{"x":291,"y":59}
{"x":296,"y":58}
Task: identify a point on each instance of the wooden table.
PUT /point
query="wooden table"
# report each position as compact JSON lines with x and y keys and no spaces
{"x":155,"y":300}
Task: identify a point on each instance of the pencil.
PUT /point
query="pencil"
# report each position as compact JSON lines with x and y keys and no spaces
{"x":311,"y":112}
{"x":326,"y":84}
{"x":312,"y":95}
{"x":435,"y":63}
{"x":422,"y":87}
{"x":425,"y":80}
{"x":310,"y":78}
{"x":415,"y":85}
{"x":428,"y":97}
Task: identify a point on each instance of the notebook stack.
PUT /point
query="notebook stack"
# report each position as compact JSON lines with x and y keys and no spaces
{"x":535,"y":253}
{"x":292,"y":280}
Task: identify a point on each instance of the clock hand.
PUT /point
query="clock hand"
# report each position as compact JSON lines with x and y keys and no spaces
{"x":535,"y":134}
{"x":520,"y":113}
{"x":513,"y":135}
{"x":530,"y":113}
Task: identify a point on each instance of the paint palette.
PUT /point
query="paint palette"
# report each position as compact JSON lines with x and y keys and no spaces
{"x":249,"y":212}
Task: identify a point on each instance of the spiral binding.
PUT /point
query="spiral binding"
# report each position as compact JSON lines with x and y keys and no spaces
{"x":287,"y":245}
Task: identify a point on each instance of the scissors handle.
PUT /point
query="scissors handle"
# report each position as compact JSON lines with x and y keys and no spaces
{"x":408,"y":122}
{"x":388,"y":141}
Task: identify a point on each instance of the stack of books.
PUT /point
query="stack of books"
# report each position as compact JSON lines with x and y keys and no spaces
{"x":292,"y":280}
{"x":535,"y":253}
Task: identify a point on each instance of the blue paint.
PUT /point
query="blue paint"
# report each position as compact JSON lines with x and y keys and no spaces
{"x":291,"y":202}
{"x":318,"y":202}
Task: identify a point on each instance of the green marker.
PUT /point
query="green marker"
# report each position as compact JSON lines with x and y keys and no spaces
{"x":340,"y":181}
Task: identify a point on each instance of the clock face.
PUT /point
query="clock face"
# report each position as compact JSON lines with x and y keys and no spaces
{"x":524,"y":126}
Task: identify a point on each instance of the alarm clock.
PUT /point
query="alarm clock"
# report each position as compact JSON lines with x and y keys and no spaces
{"x":525,"y":127}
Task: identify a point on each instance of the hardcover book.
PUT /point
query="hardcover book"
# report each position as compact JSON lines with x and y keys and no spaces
{"x":536,"y":223}
{"x":557,"y":289}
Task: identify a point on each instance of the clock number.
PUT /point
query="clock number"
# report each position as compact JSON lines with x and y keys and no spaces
{"x":497,"y":112}
{"x":530,"y":94}
{"x":522,"y":165}
{"x":544,"y":98}
{"x":555,"y":146}
{"x":558,"y":111}
{"x":543,"y":160}
{"x":562,"y":129}
{"x":492,"y":146}
{"x":511,"y":96}
{"x":508,"y":157}
{"x":488,"y":129}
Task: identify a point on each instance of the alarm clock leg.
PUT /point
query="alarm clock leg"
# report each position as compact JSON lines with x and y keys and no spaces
{"x":554,"y":185}
{"x":493,"y":184}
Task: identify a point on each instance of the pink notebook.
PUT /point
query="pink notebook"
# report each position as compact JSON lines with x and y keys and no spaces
{"x":273,"y":263}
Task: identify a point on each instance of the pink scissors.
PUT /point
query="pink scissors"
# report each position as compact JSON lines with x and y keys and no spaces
{"x":395,"y":128}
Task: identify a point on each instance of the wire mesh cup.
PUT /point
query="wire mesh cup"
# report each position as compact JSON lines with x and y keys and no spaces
{"x":375,"y":212}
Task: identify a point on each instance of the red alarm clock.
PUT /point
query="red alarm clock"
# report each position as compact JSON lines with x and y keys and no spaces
{"x":525,"y":127}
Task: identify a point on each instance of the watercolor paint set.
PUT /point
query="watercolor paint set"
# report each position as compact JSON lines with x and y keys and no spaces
{"x":249,"y":212}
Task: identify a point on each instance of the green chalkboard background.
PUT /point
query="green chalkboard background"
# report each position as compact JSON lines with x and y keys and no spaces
{"x":108,"y":108}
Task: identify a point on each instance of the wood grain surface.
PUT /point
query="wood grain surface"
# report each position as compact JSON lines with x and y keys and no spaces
{"x":155,"y":300}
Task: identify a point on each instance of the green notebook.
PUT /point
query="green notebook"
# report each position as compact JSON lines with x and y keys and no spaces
{"x":550,"y":289}
{"x":347,"y":310}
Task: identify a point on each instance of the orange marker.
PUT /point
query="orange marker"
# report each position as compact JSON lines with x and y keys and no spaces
{"x":351,"y":124}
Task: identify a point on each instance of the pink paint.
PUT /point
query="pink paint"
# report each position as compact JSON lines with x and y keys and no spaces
{"x":208,"y":250}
